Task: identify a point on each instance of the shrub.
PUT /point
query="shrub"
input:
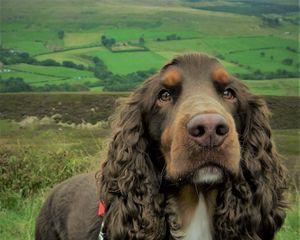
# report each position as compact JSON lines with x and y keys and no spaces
{"x":14,"y":85}
{"x":26,"y":171}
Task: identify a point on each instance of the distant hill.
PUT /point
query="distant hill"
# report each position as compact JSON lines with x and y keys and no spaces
{"x":99,"y":45}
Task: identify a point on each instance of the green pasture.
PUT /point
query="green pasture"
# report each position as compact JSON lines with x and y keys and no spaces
{"x":41,"y":79}
{"x":266,"y":60}
{"x":74,"y":39}
{"x":117,"y":62}
{"x":76,"y":55}
{"x":275,"y":87}
{"x":70,"y":81}
{"x":30,"y":38}
{"x":52,"y":70}
{"x":31,"y":78}
{"x":66,"y":56}
{"x":243,"y":44}
{"x":240,"y":44}
{"x":35,"y":30}
{"x":241,"y":54}
{"x":127,"y":62}
{"x":133,"y":34}
{"x":40,"y":75}
{"x":96,"y":89}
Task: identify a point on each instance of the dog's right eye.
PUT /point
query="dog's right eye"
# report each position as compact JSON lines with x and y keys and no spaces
{"x":165,"y":96}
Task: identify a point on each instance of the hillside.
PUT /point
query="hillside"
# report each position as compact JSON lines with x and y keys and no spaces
{"x":139,"y":36}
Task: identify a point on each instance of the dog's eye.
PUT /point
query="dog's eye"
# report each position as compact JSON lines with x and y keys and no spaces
{"x":228,"y":94}
{"x":165,"y":96}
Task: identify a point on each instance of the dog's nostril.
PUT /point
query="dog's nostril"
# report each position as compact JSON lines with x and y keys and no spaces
{"x":222,"y":129}
{"x":197,"y":131}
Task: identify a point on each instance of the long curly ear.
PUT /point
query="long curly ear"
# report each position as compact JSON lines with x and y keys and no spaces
{"x":129,"y":183}
{"x":252,"y":206}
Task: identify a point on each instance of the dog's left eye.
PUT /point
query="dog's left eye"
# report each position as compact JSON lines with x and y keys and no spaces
{"x":165,"y":96}
{"x":228,"y":94}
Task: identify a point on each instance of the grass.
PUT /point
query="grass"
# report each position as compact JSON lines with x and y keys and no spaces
{"x":76,"y":55}
{"x":31,"y":38}
{"x":75,"y":39}
{"x":96,"y":89}
{"x":271,"y":61}
{"x":31,"y":78}
{"x":129,"y":34}
{"x":19,"y":223}
{"x":52,"y":70}
{"x":40,"y":75}
{"x":291,"y":230}
{"x":128,"y":62}
{"x":288,"y":141}
{"x":275,"y":87}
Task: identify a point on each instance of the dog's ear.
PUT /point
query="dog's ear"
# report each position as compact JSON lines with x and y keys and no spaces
{"x":129,"y":183}
{"x":254,"y":203}
{"x":262,"y":168}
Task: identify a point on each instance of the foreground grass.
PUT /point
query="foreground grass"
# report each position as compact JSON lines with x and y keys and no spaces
{"x":291,"y":228}
{"x":19,"y":222}
{"x":38,"y":154}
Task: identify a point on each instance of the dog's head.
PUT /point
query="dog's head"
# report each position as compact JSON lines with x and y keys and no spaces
{"x":194,"y":119}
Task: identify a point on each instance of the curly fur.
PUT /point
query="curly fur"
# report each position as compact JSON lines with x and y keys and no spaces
{"x":129,"y":183}
{"x":253,"y":206}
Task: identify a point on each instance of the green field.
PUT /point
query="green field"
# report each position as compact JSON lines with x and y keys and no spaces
{"x":55,"y":71}
{"x":275,"y":87}
{"x":128,"y":62}
{"x":41,"y":75}
{"x":245,"y":52}
{"x":244,"y":44}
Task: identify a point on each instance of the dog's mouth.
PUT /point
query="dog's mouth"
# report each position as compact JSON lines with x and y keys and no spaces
{"x":208,"y":174}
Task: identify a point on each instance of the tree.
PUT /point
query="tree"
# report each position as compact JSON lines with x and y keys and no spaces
{"x":61,"y":34}
{"x":141,"y":40}
{"x":14,"y":85}
{"x":107,"y":42}
{"x":287,"y":61}
{"x":49,"y":62}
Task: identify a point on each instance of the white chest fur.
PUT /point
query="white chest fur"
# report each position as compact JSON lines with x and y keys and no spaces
{"x":200,"y":225}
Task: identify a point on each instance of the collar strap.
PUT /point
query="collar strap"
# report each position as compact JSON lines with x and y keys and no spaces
{"x":101,"y":213}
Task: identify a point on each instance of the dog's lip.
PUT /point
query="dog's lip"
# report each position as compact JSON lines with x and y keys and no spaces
{"x":208,"y":173}
{"x":216,"y":172}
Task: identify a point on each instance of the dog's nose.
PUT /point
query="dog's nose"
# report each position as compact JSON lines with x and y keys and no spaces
{"x":208,"y":129}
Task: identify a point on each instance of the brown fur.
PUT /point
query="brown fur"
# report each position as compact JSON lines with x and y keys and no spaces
{"x":172,"y":77}
{"x":220,"y":75}
{"x":145,"y":180}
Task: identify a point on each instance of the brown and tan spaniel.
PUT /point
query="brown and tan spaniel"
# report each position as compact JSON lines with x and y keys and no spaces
{"x":191,"y":158}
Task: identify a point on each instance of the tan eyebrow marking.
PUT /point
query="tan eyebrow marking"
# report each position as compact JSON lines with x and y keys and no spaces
{"x":172,"y":77}
{"x":220,"y":75}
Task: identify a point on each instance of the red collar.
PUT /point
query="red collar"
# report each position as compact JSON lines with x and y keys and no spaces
{"x":101,"y":209}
